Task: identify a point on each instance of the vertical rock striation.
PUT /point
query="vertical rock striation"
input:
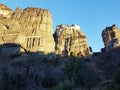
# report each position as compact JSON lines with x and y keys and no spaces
{"x":111,"y":37}
{"x":32,"y":28}
{"x":69,"y":39}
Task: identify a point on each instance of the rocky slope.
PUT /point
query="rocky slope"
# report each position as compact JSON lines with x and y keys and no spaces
{"x":31,"y":28}
{"x":69,"y":39}
{"x":32,"y":71}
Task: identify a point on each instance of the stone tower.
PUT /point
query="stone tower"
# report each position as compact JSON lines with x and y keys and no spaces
{"x":70,"y":39}
{"x":32,"y":28}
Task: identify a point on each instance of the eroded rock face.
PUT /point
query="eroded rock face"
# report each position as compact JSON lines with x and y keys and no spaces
{"x":69,"y":39}
{"x":111,"y":37}
{"x":5,"y":11}
{"x":31,"y":28}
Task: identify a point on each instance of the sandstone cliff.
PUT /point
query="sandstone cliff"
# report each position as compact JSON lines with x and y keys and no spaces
{"x":5,"y":11}
{"x":32,"y":28}
{"x":111,"y":37}
{"x":69,"y":39}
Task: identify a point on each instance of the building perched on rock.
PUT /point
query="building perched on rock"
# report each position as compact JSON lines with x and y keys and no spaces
{"x":32,"y":28}
{"x":111,"y":37}
{"x":69,"y":39}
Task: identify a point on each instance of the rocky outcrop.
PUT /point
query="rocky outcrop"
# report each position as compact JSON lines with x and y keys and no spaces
{"x":32,"y":28}
{"x":111,"y":37}
{"x":5,"y":11}
{"x":69,"y":39}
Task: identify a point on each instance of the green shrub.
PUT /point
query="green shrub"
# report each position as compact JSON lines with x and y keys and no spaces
{"x":53,"y":62}
{"x":116,"y":84}
{"x":117,"y":76}
{"x":14,"y":56}
{"x":74,"y":70}
{"x":49,"y":81}
{"x":73,"y":67}
{"x":112,"y":87}
{"x":11,"y":82}
{"x":65,"y":85}
{"x":5,"y":81}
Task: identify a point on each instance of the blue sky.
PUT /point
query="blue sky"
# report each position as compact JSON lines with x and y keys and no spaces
{"x":92,"y":15}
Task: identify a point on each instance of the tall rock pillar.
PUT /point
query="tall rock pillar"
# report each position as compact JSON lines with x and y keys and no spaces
{"x":69,"y":39}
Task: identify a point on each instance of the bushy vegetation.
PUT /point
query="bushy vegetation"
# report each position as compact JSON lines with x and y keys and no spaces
{"x":117,"y":75}
{"x":11,"y":82}
{"x":52,"y":72}
{"x":48,"y":81}
{"x":74,"y":71}
{"x":116,"y":81}
{"x":53,"y":62}
{"x":112,"y":87}
{"x":14,"y":56}
{"x":65,"y":85}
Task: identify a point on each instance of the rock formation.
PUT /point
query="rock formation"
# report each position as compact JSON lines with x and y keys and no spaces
{"x":31,"y":28}
{"x":5,"y":11}
{"x":69,"y":39}
{"x":111,"y":37}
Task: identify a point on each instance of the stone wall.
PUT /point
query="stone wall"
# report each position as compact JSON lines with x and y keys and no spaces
{"x":32,"y":28}
{"x":70,"y":39}
{"x":111,"y":37}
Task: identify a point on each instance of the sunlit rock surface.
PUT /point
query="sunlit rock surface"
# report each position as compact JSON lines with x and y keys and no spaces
{"x":32,"y":28}
{"x":111,"y":37}
{"x":5,"y":11}
{"x":69,"y":39}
